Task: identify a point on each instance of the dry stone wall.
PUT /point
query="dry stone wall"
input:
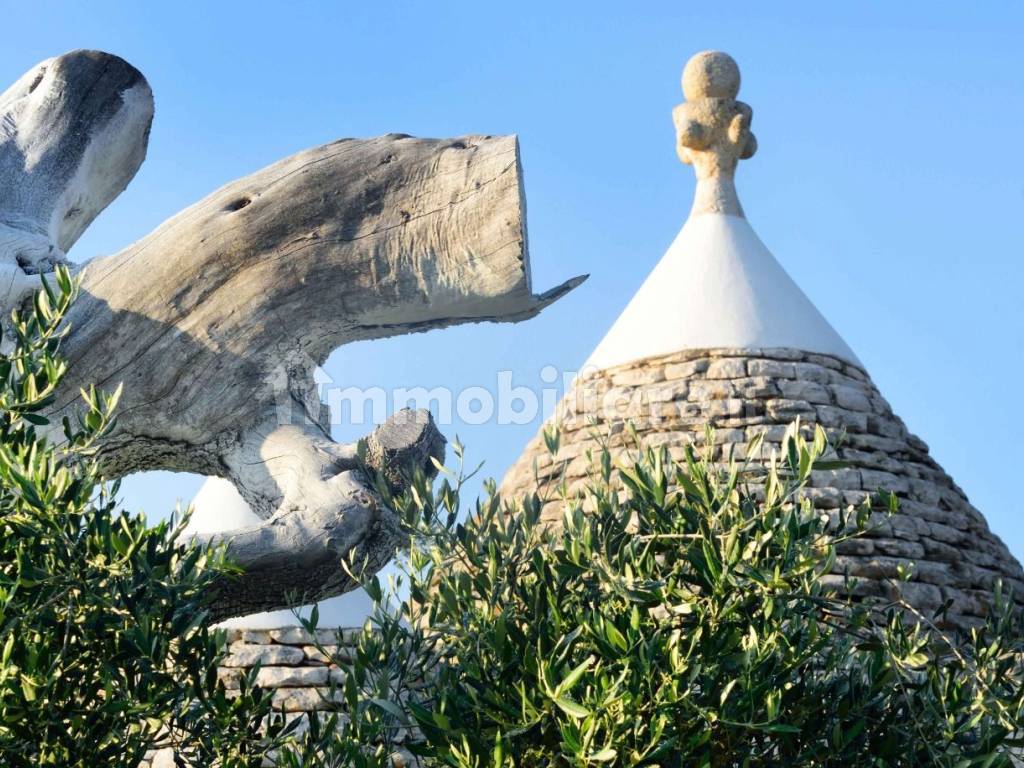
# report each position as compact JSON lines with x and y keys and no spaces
{"x":742,"y":392}
{"x":295,"y":668}
{"x":291,"y":664}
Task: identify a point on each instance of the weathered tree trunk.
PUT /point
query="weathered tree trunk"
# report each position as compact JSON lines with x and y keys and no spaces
{"x":216,"y":320}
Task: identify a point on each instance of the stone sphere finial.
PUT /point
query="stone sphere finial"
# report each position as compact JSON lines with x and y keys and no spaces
{"x":713,"y":130}
{"x":711,"y":75}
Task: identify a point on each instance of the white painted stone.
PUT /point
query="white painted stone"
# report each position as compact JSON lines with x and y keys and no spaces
{"x":717,"y":286}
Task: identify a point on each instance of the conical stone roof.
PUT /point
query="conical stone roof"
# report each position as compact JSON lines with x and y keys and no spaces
{"x":719,"y":334}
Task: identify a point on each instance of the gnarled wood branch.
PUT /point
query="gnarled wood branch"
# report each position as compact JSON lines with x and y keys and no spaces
{"x":216,"y":321}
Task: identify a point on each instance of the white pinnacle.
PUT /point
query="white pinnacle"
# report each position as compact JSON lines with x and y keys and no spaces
{"x":717,"y":286}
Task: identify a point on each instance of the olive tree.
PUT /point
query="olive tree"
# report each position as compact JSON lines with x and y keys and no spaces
{"x":105,"y":649}
{"x":680,"y":615}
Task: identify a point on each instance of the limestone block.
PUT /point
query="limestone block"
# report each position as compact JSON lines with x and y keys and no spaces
{"x":276,"y":677}
{"x":943,"y":553}
{"x":756,"y":387}
{"x":633,"y":377}
{"x":780,"y":353}
{"x":233,"y":634}
{"x":771,"y":368}
{"x":880,"y":405}
{"x":925,"y":597}
{"x":806,"y":390}
{"x":702,"y":391}
{"x":727,"y":368}
{"x":282,"y":677}
{"x":782,"y":409}
{"x":856,"y":586}
{"x":842,"y":479}
{"x":854,"y":372}
{"x":667,"y":391}
{"x":866,"y":441}
{"x":947,"y":534}
{"x":290,"y":636}
{"x":875,"y":480}
{"x":939,"y":574}
{"x":851,"y":398}
{"x":333,"y":652}
{"x":813,"y":372}
{"x":256,"y":636}
{"x":687,"y":369}
{"x":305,"y":699}
{"x":832,"y":417}
{"x":737,"y":436}
{"x":869,"y":567}
{"x":886,"y":427}
{"x":730,"y":407}
{"x":245,"y":655}
{"x":773,"y":433}
{"x":855,"y":547}
{"x":917,"y":443}
{"x":855,"y":498}
{"x":825,"y":498}
{"x":299,"y":636}
{"x":825,"y":361}
{"x":872,"y":460}
{"x":911,"y":550}
{"x":656,"y":439}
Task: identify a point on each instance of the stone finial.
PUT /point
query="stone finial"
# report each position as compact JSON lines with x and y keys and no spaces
{"x":713,"y":130}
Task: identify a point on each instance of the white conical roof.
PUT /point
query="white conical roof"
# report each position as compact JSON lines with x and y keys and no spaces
{"x":717,"y":286}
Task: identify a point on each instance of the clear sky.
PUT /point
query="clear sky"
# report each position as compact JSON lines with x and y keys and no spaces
{"x":889,"y":179}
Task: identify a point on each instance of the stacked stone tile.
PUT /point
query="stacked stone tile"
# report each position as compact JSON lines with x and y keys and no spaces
{"x":291,"y":665}
{"x":294,"y":667}
{"x":744,"y":392}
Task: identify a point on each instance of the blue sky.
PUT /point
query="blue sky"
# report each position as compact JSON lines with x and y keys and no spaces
{"x":889,"y":179}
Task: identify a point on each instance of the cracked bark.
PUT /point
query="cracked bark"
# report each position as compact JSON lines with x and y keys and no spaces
{"x":216,"y":321}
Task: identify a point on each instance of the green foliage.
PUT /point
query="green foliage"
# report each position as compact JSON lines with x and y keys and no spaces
{"x":104,"y":650}
{"x":678,"y":617}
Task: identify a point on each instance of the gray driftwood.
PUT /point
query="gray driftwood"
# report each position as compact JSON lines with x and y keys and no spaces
{"x":216,"y":320}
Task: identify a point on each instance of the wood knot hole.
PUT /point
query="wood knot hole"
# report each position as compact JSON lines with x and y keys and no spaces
{"x":238,"y":204}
